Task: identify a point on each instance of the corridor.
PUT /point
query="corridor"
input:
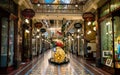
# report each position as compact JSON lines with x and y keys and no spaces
{"x":76,"y":66}
{"x":85,"y":31}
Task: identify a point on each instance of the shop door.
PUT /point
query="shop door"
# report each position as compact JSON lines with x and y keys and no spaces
{"x":6,"y":40}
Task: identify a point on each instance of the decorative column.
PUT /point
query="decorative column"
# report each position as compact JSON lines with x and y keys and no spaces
{"x":88,"y":17}
{"x":38,"y":25}
{"x":98,"y":42}
{"x":27,"y":34}
{"x":42,"y":30}
{"x":30,"y":48}
{"x":78,"y":26}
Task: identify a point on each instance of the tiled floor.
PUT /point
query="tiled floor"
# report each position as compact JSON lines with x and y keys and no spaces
{"x":74,"y":67}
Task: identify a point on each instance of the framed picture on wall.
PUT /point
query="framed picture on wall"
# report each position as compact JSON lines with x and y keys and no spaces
{"x":107,"y":53}
{"x":108,"y":62}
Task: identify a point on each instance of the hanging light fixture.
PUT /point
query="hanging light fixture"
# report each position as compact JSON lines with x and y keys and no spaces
{"x":26,"y":20}
{"x":94,"y":28}
{"x":89,"y":32}
{"x":88,"y":16}
{"x":27,"y":31}
{"x":38,"y":25}
{"x":28,"y":13}
{"x":89,"y":23}
{"x":35,"y":1}
{"x":38,"y":4}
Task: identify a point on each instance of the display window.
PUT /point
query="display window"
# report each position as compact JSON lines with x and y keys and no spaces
{"x":11,"y":43}
{"x":117,"y":40}
{"x":4,"y":41}
{"x":7,"y":42}
{"x":107,"y":41}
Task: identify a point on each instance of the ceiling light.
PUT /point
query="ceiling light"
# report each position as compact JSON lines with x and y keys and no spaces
{"x":78,"y":30}
{"x":108,"y":23}
{"x":26,"y":20}
{"x":106,"y":33}
{"x":76,"y":5}
{"x":89,"y":23}
{"x":38,"y":5}
{"x":37,"y":36}
{"x":88,"y":32}
{"x":27,"y":31}
{"x":78,"y":36}
{"x":38,"y":30}
{"x":94,"y":28}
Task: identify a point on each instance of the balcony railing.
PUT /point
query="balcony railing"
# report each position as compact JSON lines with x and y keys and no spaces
{"x":61,"y":8}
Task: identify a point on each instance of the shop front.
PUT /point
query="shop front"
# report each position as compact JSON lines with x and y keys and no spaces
{"x":109,"y":21}
{"x":8,"y":42}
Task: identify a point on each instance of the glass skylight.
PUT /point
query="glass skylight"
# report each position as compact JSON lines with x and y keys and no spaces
{"x":58,"y":1}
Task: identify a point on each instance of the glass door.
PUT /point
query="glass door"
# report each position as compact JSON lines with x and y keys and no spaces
{"x":7,"y":42}
{"x":4,"y":42}
{"x":11,"y":43}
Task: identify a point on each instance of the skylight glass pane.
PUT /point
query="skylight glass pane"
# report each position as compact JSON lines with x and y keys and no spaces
{"x":58,"y":1}
{"x":49,"y":1}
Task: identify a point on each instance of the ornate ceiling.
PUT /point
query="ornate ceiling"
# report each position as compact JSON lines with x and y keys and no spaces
{"x":59,"y":6}
{"x":52,"y":12}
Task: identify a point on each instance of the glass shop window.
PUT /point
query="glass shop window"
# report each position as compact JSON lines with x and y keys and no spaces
{"x":106,"y":42}
{"x":11,"y":43}
{"x":7,"y":42}
{"x":117,"y":40}
{"x":4,"y":41}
